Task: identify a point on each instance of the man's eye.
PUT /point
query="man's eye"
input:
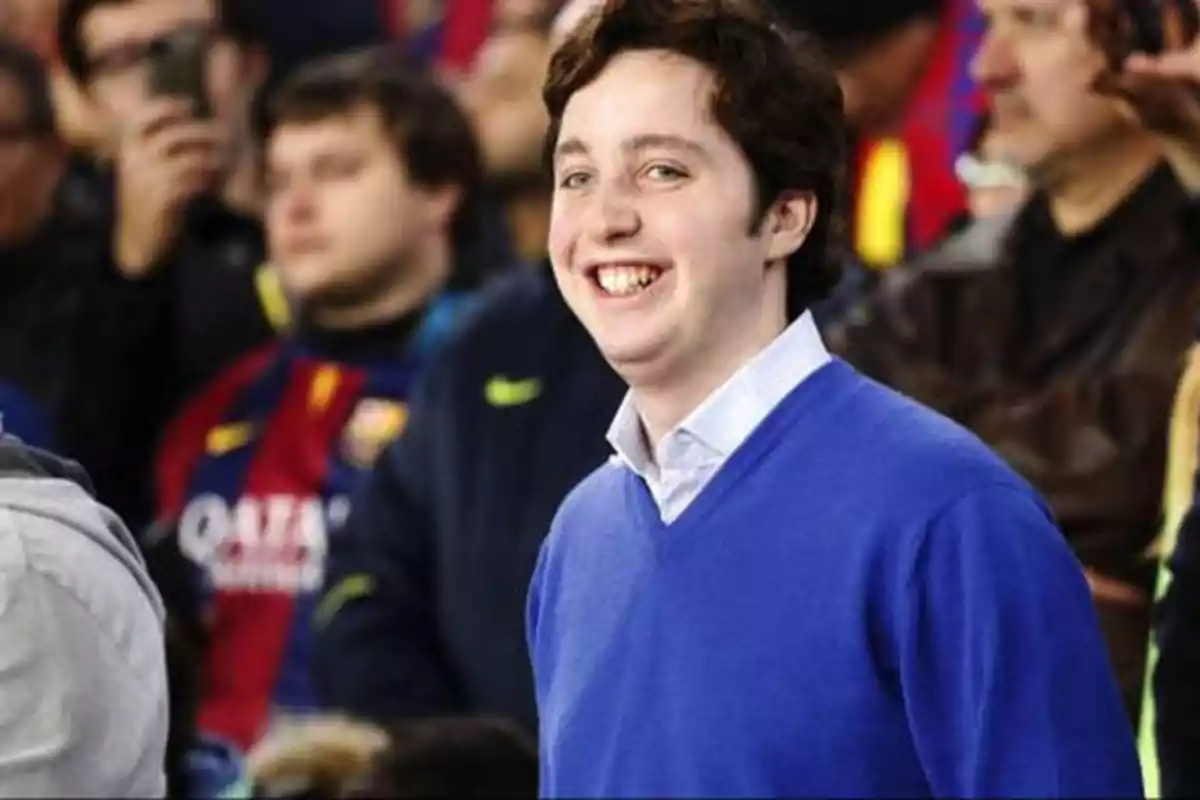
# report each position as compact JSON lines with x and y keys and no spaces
{"x":335,"y":168}
{"x":1037,"y":18}
{"x":665,"y":172}
{"x":120,"y":59}
{"x":574,"y":180}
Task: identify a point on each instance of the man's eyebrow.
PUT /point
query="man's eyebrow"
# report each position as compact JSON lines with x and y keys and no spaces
{"x":665,"y":141}
{"x":646,"y":141}
{"x":570,"y":147}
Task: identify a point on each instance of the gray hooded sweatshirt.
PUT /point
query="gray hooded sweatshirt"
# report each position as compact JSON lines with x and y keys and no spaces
{"x":83,"y":687}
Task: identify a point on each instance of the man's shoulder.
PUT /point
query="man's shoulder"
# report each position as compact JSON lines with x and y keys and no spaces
{"x":906,"y":450}
{"x":74,"y":618}
{"x":58,"y":542}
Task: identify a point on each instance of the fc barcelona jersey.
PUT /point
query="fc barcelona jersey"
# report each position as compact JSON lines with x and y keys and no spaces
{"x":253,"y":479}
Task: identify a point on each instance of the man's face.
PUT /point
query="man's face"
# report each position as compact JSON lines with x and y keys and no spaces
{"x":344,"y":221}
{"x":26,"y":161}
{"x":1038,"y":66}
{"x":649,"y":229}
{"x":29,"y":22}
{"x":502,"y":96}
{"x":114,"y":38}
{"x":879,"y":81}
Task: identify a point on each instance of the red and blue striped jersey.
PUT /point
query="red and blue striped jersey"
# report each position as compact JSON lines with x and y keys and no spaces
{"x":253,"y":478}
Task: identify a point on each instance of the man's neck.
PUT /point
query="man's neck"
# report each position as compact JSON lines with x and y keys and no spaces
{"x":665,"y":403}
{"x":415,"y":285}
{"x":1085,"y":191}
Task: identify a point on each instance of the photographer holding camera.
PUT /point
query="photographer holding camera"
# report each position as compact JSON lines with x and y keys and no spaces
{"x":173,"y":83}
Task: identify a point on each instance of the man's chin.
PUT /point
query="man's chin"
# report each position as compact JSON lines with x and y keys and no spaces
{"x":639,"y":361}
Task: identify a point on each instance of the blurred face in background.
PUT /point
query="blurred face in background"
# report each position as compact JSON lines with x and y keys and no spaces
{"x":502,"y":96}
{"x":879,"y":78}
{"x":30,"y":165}
{"x":30,"y":23}
{"x":1038,"y":66}
{"x":348,"y":230}
{"x":115,"y":38}
{"x":520,"y":13}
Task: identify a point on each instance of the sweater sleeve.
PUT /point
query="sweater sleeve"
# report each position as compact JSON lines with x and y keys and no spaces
{"x":1005,"y":678}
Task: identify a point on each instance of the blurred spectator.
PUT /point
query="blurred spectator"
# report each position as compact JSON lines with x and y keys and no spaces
{"x":1163,"y":92}
{"x":30,"y":162}
{"x":74,"y":334}
{"x":518,"y":14}
{"x":903,"y":66}
{"x":1064,"y":353}
{"x":880,"y":50}
{"x":186,"y":189}
{"x":33,"y":24}
{"x":83,"y":700}
{"x":996,"y":190}
{"x":332,"y":757}
{"x":371,"y":174}
{"x":30,"y":23}
{"x":423,"y":610}
{"x":454,"y":757}
{"x":1171,"y":728}
{"x":502,"y":93}
{"x":322,"y":757}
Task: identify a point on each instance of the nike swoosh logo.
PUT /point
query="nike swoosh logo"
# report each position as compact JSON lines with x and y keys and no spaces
{"x":503,"y":392}
{"x":226,"y":438}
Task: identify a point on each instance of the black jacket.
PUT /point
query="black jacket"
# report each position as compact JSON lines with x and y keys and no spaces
{"x":426,"y":584}
{"x":1175,"y":681}
{"x":85,"y":343}
{"x":108,"y":358}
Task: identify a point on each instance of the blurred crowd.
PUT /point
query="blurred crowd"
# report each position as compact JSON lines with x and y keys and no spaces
{"x":274,"y":273}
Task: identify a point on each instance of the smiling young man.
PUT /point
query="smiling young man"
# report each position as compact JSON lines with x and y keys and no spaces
{"x":790,"y":581}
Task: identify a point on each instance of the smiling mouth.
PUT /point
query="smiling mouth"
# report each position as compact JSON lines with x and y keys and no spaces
{"x":625,"y":280}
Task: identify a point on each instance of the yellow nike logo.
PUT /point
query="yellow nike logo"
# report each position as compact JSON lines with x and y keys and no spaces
{"x":225,"y":438}
{"x":503,"y":392}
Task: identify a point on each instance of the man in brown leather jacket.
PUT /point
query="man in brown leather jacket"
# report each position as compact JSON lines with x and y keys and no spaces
{"x":1062,"y":343}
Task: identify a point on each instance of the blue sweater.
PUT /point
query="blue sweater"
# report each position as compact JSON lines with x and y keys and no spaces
{"x":863,"y":602}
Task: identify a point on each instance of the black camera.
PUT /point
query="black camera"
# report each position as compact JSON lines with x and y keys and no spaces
{"x":178,"y":65}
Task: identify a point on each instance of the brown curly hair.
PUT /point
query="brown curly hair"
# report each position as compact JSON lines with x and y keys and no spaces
{"x":775,"y":95}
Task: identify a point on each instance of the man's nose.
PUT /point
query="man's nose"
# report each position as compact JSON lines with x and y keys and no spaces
{"x":301,"y":202}
{"x":994,"y":64}
{"x":613,"y":214}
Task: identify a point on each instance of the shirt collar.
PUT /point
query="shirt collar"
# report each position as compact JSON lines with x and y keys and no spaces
{"x":730,"y":414}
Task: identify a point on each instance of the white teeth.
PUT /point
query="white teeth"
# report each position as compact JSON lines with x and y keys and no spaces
{"x":626,"y":280}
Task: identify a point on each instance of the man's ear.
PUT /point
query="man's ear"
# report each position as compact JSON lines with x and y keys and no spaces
{"x":788,"y":223}
{"x":443,"y":202}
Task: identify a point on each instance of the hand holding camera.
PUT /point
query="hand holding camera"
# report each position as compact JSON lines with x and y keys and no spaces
{"x":168,"y":154}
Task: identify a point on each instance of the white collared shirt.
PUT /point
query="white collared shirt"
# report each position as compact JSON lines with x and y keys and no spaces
{"x":690,"y":455}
